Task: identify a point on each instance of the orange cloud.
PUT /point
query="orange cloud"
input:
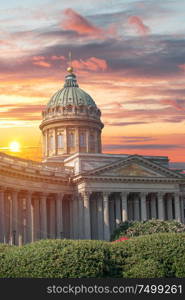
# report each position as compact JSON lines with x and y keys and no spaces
{"x":78,"y":23}
{"x":93,"y":64}
{"x":139,"y":25}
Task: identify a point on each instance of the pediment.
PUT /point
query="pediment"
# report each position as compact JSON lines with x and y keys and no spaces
{"x":132,"y":169}
{"x":135,"y":166}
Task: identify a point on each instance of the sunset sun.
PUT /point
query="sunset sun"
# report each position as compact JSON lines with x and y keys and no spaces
{"x":14,"y":146}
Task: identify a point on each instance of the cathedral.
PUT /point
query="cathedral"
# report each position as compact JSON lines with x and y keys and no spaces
{"x":77,"y":192}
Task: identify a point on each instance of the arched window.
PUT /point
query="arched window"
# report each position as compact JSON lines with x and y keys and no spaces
{"x":71,"y":139}
{"x":60,"y":141}
{"x":82,"y":139}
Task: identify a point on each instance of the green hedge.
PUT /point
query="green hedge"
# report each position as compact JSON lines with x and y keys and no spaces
{"x":57,"y":258}
{"x":157,"y":255}
{"x":137,"y":228}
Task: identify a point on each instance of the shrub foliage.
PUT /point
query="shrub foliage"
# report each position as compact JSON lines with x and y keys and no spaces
{"x":156,"y":255}
{"x":137,"y":228}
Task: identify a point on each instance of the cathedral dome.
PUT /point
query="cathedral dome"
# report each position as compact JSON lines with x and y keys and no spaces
{"x":70,"y":94}
{"x":70,"y":122}
{"x":71,"y":101}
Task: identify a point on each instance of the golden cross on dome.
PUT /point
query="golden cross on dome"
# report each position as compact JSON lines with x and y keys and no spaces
{"x":70,"y":68}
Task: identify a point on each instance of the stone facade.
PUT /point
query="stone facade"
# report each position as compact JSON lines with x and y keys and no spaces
{"x":78,"y":192}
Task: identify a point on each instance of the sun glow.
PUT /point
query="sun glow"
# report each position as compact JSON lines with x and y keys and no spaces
{"x":14,"y":147}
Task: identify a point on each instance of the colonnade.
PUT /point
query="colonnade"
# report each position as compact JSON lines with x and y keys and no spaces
{"x":27,"y":216}
{"x":119,"y":207}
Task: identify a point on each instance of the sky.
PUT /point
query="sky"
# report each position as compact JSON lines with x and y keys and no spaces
{"x":128,"y":55}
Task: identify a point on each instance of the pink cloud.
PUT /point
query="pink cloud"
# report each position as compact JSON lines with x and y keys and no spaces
{"x":93,"y":64}
{"x":182,"y":67}
{"x":54,"y":57}
{"x":172,"y":103}
{"x":78,"y":23}
{"x":42,"y":63}
{"x":139,"y":25}
{"x":4,"y":43}
{"x":38,"y":58}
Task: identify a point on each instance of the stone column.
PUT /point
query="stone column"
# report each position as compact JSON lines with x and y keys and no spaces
{"x":177,"y":207}
{"x":37,"y":220}
{"x":30,"y":218}
{"x":55,"y":141}
{"x":182,"y":208}
{"x":169,"y":207}
{"x":136,"y":208}
{"x":47,"y":144}
{"x":7,"y":217}
{"x":81,"y":217}
{"x":77,"y":141}
{"x":99,"y":142}
{"x":143,"y":207}
{"x":106,"y":216}
{"x":43,"y":202}
{"x":14,"y":214}
{"x":118,"y":210}
{"x":153,"y":207}
{"x":87,"y":141}
{"x":124,"y":206}
{"x":20,"y":221}
{"x":43,"y":144}
{"x":71,"y":210}
{"x":2,"y":217}
{"x":100,"y":217}
{"x":75,"y":216}
{"x":96,"y":142}
{"x":60,"y":228}
{"x":65,"y":140}
{"x":161,"y":206}
{"x":52,"y":218}
{"x":87,"y":224}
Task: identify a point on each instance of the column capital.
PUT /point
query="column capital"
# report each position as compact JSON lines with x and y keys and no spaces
{"x":143,"y":194}
{"x":86,"y":193}
{"x":29,"y":193}
{"x":43,"y":195}
{"x":106,"y":196}
{"x":13,"y":190}
{"x":125,"y":193}
{"x":182,"y":194}
{"x":60,"y":195}
{"x":161,"y":194}
{"x":176,"y":194}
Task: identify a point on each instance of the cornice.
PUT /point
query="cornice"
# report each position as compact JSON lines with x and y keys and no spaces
{"x":81,"y":178}
{"x":55,"y":121}
{"x":10,"y":172}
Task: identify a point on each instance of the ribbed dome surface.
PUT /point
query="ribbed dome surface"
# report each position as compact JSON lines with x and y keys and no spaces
{"x":71,"y":94}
